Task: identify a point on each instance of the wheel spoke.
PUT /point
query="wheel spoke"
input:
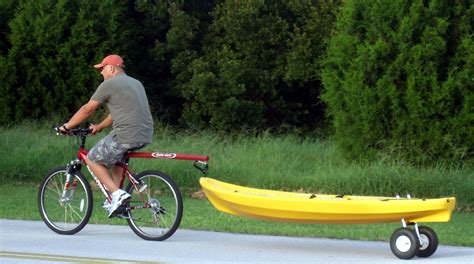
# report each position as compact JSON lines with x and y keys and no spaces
{"x":55,"y":188}
{"x":63,"y":210}
{"x":162,"y":215}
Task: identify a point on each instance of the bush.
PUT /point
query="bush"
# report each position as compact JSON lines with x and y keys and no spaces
{"x":6,"y":14}
{"x":259,"y":67}
{"x":53,"y":47}
{"x":398,"y":77}
{"x":231,"y":64}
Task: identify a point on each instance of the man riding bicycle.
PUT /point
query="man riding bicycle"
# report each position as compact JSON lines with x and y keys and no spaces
{"x":130,"y":118}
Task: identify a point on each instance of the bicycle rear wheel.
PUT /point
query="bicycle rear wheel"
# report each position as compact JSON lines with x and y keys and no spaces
{"x":65,"y":203}
{"x":156,"y":206}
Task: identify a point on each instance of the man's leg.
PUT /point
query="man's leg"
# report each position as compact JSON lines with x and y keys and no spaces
{"x":109,"y":152}
{"x":117,"y":173}
{"x":102,"y":173}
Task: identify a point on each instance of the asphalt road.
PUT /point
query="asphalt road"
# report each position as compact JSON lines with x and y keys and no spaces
{"x":33,"y":242}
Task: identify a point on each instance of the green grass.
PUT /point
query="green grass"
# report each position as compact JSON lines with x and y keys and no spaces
{"x":286,"y":162}
{"x":200,"y":215}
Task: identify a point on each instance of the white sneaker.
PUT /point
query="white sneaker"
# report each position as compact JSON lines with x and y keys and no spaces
{"x":119,"y":197}
{"x":106,"y":204}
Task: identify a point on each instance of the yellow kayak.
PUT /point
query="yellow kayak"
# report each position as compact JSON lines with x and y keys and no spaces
{"x":319,"y":208}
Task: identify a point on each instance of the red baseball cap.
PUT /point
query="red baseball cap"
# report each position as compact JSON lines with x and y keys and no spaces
{"x":113,"y":59}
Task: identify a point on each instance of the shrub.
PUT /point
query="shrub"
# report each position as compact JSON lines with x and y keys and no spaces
{"x":398,"y":77}
{"x":53,"y":47}
{"x":260,"y":66}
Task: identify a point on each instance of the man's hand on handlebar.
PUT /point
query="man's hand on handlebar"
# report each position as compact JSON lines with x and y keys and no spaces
{"x":63,"y":130}
{"x":95,"y":128}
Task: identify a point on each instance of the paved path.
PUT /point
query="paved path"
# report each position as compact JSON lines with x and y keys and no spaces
{"x":33,"y":242}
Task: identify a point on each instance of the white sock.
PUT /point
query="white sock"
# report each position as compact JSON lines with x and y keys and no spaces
{"x":117,"y":192}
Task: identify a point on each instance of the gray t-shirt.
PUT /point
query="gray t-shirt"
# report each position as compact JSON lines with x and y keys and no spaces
{"x":127,"y":102}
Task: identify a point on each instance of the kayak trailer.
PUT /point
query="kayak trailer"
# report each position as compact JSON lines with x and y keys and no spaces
{"x":406,"y":242}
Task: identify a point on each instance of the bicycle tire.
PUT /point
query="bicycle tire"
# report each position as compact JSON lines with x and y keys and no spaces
{"x":65,"y":212}
{"x":162,"y":219}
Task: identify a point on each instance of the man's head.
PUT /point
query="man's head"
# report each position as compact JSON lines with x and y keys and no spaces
{"x":110,"y":66}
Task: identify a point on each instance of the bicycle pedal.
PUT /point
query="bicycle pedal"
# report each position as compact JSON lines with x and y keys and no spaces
{"x":121,"y":210}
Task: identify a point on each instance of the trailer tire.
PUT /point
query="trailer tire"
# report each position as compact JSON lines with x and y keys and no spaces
{"x":429,"y":242}
{"x":404,"y":243}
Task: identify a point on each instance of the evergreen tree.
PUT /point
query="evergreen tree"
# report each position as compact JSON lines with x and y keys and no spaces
{"x":259,"y":66}
{"x":396,"y":78}
{"x":6,"y":14}
{"x":311,"y":24}
{"x":234,"y":84}
{"x":148,"y":22}
{"x":7,"y":76}
{"x":53,"y":47}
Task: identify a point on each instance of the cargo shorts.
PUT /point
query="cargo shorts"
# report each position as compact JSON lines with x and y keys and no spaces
{"x":109,"y":152}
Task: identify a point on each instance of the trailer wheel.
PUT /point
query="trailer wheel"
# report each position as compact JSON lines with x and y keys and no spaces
{"x":429,"y":241}
{"x":404,"y":243}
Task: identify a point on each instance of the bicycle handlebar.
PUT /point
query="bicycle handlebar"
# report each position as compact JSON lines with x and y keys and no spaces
{"x":73,"y":132}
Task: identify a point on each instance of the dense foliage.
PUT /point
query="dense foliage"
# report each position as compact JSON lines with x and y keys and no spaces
{"x":47,"y":68}
{"x":382,"y":75}
{"x":399,"y":75}
{"x":260,"y":66}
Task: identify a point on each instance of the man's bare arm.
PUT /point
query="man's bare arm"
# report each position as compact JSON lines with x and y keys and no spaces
{"x":82,"y":114}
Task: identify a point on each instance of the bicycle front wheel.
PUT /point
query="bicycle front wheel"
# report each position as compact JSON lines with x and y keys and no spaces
{"x":156,"y":206}
{"x":65,"y":202}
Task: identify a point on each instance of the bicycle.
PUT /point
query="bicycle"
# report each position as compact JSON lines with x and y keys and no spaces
{"x":153,"y":213}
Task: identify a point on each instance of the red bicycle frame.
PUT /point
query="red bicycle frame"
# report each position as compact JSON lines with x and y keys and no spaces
{"x":198,"y":159}
{"x":154,"y":155}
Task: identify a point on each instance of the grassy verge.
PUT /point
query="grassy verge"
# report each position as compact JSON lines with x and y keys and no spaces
{"x":286,"y":162}
{"x":200,"y":215}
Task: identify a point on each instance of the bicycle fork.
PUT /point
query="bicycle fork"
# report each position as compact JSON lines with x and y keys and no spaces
{"x":71,"y":182}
